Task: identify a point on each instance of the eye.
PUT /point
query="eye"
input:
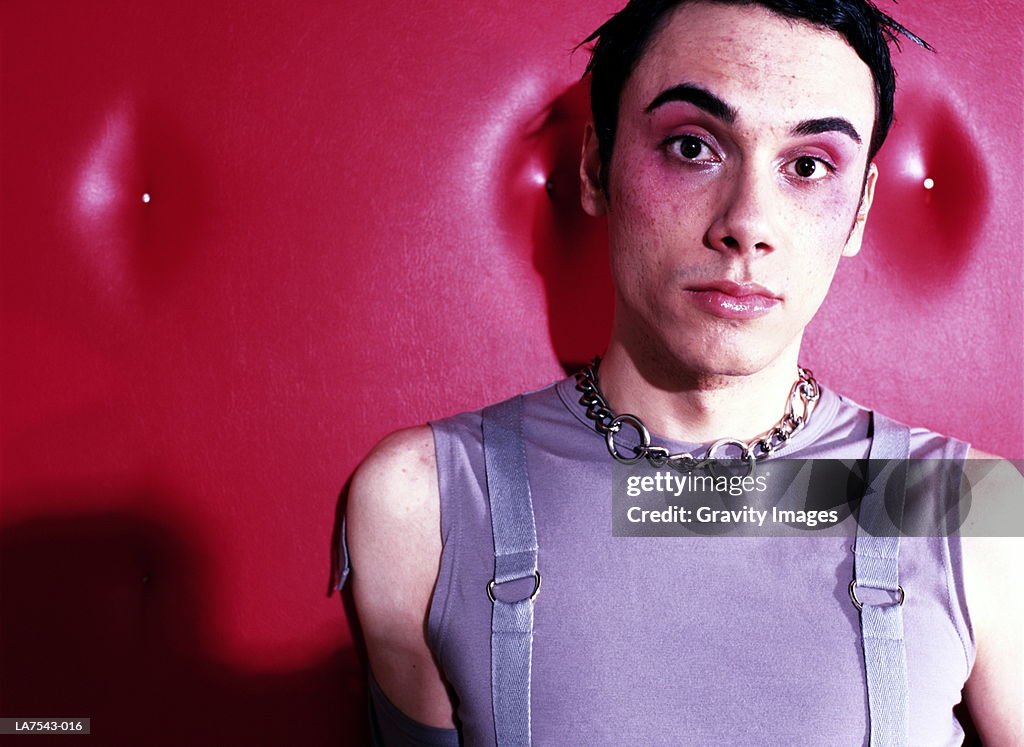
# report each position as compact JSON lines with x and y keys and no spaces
{"x":810,"y":168}
{"x":691,"y":148}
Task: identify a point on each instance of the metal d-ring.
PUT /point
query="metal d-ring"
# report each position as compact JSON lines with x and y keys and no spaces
{"x":859,"y":605}
{"x":533,"y":595}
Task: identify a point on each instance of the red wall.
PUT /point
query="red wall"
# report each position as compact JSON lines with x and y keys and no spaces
{"x":361,"y":216}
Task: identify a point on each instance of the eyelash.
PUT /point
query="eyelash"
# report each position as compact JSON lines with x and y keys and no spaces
{"x":829,"y":168}
{"x":671,"y":145}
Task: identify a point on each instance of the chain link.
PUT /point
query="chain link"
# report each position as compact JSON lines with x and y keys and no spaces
{"x":805,"y":394}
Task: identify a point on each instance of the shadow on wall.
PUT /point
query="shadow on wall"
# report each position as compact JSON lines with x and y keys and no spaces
{"x":102,"y":616}
{"x":570,"y":248}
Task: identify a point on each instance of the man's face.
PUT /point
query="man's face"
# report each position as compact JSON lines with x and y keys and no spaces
{"x":735,"y":181}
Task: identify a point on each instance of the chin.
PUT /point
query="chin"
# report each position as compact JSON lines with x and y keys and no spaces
{"x":728,"y":366}
{"x":697,"y":359}
{"x":699,"y":347}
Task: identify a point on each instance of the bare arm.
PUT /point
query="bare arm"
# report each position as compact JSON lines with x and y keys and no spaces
{"x":395,"y":546}
{"x":995,"y":688}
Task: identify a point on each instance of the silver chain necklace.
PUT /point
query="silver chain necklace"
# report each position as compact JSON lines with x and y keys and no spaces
{"x":805,"y":391}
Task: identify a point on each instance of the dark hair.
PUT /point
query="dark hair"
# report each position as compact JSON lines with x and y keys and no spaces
{"x":623,"y":39}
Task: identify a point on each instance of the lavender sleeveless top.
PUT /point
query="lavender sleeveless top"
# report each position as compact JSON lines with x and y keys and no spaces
{"x":685,"y":640}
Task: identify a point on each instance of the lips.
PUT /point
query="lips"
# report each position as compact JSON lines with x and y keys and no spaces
{"x":731,"y":300}
{"x":737,"y":290}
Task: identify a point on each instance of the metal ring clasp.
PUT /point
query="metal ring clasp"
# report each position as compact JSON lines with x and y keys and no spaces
{"x":901,"y":596}
{"x":744,"y":451}
{"x":746,"y":454}
{"x":616,"y":425}
{"x":533,"y":595}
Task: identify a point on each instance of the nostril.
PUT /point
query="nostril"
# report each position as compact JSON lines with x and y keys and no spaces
{"x":730,"y":242}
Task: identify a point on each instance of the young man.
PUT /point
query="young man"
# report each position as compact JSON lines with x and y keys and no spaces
{"x":732,"y":151}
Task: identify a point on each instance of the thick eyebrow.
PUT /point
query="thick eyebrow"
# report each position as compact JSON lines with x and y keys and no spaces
{"x":697,"y":96}
{"x":709,"y":102}
{"x":827,"y":124}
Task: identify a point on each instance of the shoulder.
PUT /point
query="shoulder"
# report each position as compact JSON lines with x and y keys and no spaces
{"x":993,"y":551}
{"x":841,"y":428}
{"x":395,"y":477}
{"x":393,"y":507}
{"x":993,"y":497}
{"x":394,"y":541}
{"x":993,"y":501}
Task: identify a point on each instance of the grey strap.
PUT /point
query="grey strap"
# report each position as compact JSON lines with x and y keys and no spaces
{"x":876,"y":566}
{"x":515,"y":559}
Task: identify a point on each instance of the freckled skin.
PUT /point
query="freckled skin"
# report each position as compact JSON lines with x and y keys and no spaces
{"x":745,"y":212}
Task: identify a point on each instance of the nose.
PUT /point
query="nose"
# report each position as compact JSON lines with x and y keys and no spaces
{"x":745,"y":215}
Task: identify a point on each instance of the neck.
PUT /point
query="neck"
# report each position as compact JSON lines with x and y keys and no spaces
{"x":693,"y":406}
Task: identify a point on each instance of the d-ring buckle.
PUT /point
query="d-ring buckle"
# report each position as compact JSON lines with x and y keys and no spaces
{"x":533,"y":595}
{"x":859,"y":605}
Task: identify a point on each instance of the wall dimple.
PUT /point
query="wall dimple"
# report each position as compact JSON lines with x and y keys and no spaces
{"x":176,"y":202}
{"x":138,"y":203}
{"x":933,"y":194}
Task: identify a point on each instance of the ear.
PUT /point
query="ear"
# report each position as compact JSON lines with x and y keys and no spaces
{"x":857,"y":233}
{"x":592,"y":195}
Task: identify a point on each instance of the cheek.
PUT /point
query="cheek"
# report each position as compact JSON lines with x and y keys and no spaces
{"x":654,"y":212}
{"x":820,"y":216}
{"x":650,"y":229}
{"x":818,"y":232}
{"x":633,"y":225}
